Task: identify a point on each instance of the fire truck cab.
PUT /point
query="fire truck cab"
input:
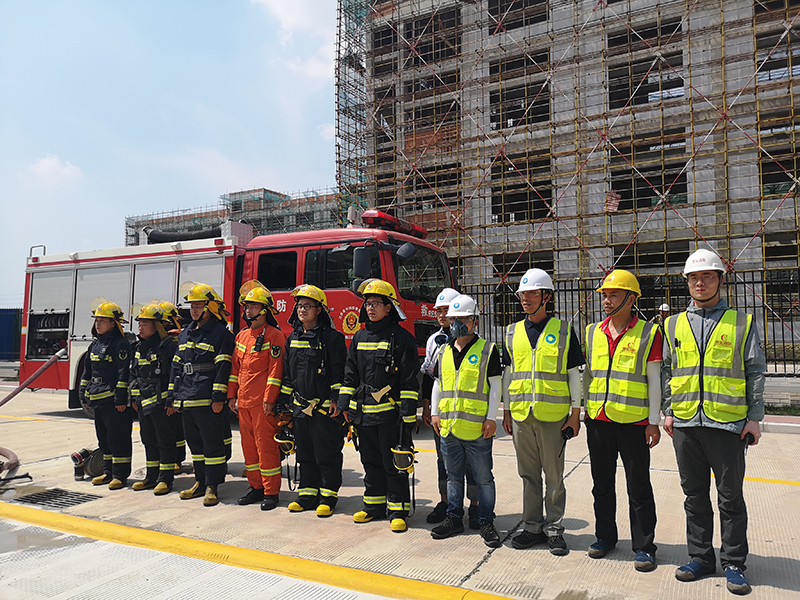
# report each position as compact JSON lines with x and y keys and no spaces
{"x":59,"y":289}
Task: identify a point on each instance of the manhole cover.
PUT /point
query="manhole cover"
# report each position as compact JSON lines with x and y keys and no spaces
{"x":57,"y":498}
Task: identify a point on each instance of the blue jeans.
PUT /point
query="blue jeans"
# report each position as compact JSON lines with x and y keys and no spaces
{"x":478,"y":455}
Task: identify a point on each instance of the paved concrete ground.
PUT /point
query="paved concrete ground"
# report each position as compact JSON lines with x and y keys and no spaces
{"x":40,"y":429}
{"x":42,"y":564}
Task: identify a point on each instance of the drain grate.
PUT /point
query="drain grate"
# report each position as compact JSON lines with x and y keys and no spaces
{"x":57,"y":498}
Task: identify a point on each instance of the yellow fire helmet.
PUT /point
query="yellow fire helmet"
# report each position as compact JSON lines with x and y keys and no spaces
{"x":202,"y":292}
{"x":102,"y":307}
{"x":620,"y":279}
{"x":171,"y":314}
{"x":310,"y":291}
{"x":255,"y":291}
{"x":109,"y":310}
{"x":379,"y":287}
{"x":153,"y":312}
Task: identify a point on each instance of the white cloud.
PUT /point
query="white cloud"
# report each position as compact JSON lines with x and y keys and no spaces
{"x":318,"y":67}
{"x":309,"y":16}
{"x":307,"y":35}
{"x":327,"y":131}
{"x":51,"y":171}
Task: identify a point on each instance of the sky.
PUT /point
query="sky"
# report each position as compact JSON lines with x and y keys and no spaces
{"x":111,"y":109}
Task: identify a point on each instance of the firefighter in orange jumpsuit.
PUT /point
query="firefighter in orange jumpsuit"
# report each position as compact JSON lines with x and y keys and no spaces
{"x":253,"y":389}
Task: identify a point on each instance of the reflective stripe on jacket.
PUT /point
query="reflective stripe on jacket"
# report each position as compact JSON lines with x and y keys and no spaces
{"x":539,"y":376}
{"x":620,"y":381}
{"x":464,"y":400}
{"x":256,"y":372}
{"x":714,"y":379}
{"x":150,"y":372}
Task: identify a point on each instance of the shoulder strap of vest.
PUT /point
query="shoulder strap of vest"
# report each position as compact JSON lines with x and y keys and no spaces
{"x":589,"y":341}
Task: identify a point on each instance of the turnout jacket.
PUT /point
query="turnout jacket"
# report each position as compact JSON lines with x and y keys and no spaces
{"x":201,"y":366}
{"x":151,"y":367}
{"x":313,"y":368}
{"x":257,"y":366}
{"x":106,"y":370}
{"x":381,"y":354}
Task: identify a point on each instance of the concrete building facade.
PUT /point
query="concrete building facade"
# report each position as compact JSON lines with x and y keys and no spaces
{"x":579,"y":135}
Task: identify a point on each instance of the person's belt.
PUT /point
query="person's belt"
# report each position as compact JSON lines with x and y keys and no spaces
{"x":189,"y":368}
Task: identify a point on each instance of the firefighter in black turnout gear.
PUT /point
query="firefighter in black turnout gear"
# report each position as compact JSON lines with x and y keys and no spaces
{"x":150,"y":373}
{"x":379,"y":395}
{"x":199,"y":389}
{"x":104,"y":387}
{"x":313,"y":370}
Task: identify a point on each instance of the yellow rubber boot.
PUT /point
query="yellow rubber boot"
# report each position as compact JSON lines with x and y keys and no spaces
{"x":296,"y":507}
{"x":146,"y":484}
{"x":211,"y":499}
{"x":398,"y":525}
{"x":362,"y":516}
{"x":162,"y":488}
{"x":101,"y":479}
{"x":192,"y":492}
{"x":323,"y":510}
{"x":116,"y":484}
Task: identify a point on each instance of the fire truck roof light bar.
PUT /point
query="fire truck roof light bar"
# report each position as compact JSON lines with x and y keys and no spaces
{"x":380,"y":220}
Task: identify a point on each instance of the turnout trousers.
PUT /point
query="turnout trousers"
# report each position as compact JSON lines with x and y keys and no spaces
{"x":160,"y":446}
{"x":320,"y":440}
{"x":384,"y":486}
{"x":262,"y":455}
{"x":205,"y":434}
{"x":606,"y":441}
{"x":113,"y":429}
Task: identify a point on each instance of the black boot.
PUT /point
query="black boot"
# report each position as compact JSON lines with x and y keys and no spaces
{"x":252,"y":496}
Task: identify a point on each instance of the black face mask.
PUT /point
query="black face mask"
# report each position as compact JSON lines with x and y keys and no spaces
{"x":458,"y":329}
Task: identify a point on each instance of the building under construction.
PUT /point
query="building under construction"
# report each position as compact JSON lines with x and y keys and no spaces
{"x":579,"y":135}
{"x":267,"y":211}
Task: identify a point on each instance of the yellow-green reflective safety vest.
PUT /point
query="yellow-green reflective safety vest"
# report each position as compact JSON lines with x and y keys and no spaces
{"x":714,"y":379}
{"x":464,"y":400}
{"x":539,"y":376}
{"x":619,"y":381}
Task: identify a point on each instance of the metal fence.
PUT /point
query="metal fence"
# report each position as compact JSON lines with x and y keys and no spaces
{"x":772,"y":297}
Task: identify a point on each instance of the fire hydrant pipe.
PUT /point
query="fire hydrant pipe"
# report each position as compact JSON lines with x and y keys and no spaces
{"x":60,"y":354}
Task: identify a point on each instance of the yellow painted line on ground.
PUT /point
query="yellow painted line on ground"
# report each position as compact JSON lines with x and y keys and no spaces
{"x":764,"y":480}
{"x":378,"y":584}
{"x":778,"y":481}
{"x":21,"y":418}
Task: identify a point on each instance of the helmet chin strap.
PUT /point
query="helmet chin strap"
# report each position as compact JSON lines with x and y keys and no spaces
{"x":202,"y":314}
{"x":621,"y":304}
{"x":541,"y":304}
{"x":719,"y":288}
{"x":251,"y":320}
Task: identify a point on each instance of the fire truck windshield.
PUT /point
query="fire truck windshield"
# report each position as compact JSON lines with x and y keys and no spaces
{"x":421,"y":274}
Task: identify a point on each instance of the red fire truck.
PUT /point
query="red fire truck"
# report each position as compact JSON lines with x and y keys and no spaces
{"x":59,"y":289}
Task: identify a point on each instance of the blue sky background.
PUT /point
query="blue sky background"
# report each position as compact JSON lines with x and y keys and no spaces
{"x":110,"y":109}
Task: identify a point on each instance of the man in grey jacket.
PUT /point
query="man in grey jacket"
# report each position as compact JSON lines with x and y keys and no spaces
{"x":713,"y":374}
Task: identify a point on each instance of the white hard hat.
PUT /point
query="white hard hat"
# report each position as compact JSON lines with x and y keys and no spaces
{"x":703,"y":260}
{"x":535,"y":279}
{"x":445,"y":297}
{"x":463,"y":306}
{"x":664,"y":307}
